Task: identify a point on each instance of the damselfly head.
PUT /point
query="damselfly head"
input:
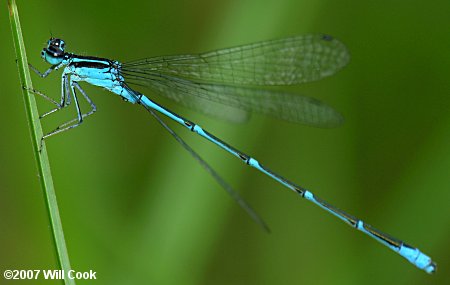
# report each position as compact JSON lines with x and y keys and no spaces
{"x":54,"y":52}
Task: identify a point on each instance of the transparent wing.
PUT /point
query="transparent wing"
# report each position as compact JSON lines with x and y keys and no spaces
{"x":282,"y":105}
{"x":284,"y":61}
{"x":220,"y":77}
{"x":215,"y":110}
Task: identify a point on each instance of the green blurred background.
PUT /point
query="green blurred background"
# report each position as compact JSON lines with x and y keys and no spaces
{"x":137,"y":209}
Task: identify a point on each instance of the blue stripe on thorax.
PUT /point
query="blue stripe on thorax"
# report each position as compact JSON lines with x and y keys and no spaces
{"x":100,"y":72}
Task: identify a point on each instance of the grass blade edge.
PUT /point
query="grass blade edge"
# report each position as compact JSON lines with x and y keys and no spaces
{"x":42,"y":160}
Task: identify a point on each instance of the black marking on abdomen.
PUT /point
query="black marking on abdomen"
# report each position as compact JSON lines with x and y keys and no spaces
{"x":189,"y":124}
{"x":244,"y":157}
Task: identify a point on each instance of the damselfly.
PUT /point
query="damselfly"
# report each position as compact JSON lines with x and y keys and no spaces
{"x":220,"y":83}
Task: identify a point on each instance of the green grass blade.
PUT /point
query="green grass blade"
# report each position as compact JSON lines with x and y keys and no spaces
{"x":36,"y":135}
